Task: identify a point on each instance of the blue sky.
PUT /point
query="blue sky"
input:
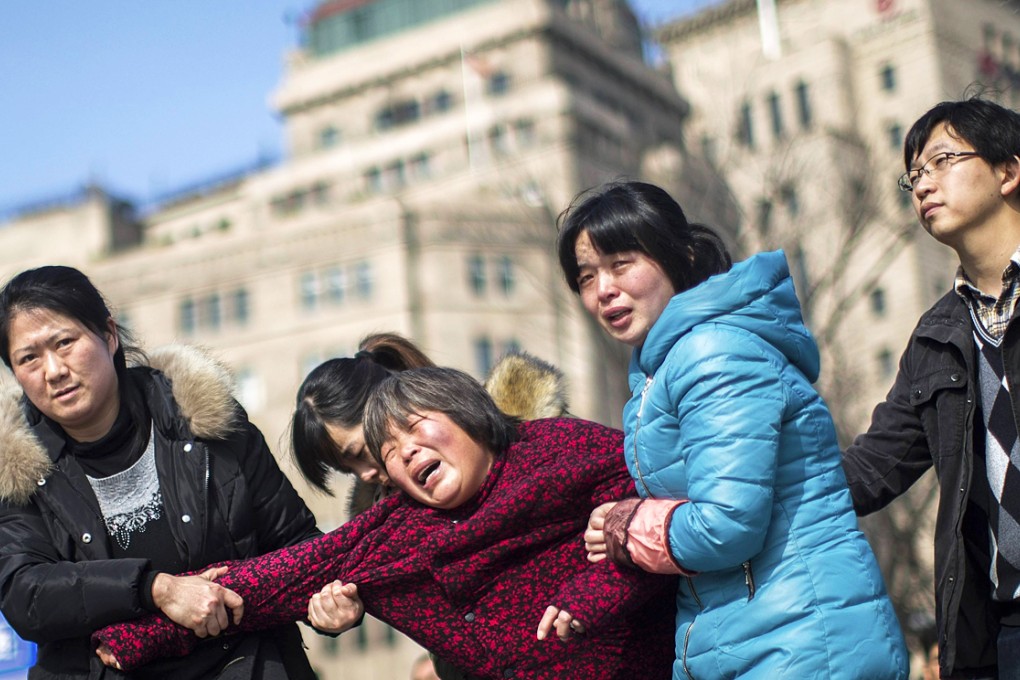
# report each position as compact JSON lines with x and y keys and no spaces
{"x":147,"y":96}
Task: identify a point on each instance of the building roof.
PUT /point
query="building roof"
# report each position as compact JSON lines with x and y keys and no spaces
{"x":707,"y":18}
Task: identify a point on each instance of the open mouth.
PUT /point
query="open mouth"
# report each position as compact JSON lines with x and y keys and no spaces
{"x":616,"y":315}
{"x":426,"y":472}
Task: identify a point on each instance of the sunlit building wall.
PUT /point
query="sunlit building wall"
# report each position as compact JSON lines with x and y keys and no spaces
{"x":805,"y":117}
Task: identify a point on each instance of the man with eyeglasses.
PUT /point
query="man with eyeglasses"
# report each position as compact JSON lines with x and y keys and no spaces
{"x":951,"y":405}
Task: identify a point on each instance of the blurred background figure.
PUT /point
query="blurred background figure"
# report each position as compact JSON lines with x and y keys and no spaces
{"x":423,"y":669}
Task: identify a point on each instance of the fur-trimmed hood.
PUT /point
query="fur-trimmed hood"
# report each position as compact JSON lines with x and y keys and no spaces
{"x":526,"y":387}
{"x":522,"y":386}
{"x":202,"y":388}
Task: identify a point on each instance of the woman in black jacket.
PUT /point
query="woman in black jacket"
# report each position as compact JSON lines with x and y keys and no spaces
{"x":114,"y":478}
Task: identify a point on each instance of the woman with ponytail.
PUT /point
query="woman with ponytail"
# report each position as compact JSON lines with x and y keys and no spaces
{"x":732,"y":450}
{"x":326,"y":432}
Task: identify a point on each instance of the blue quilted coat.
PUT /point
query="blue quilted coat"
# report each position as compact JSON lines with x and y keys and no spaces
{"x":723,"y":413}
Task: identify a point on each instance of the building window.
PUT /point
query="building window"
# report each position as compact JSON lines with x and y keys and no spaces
{"x":886,"y":363}
{"x":709,"y":150}
{"x":393,"y":175}
{"x":186,"y":316}
{"x":887,"y":76}
{"x":499,"y":83}
{"x":406,"y":112}
{"x":309,"y":290}
{"x":373,"y":180}
{"x":895,"y":133}
{"x":362,"y":637}
{"x":791,"y":201}
{"x":336,"y":284}
{"x":803,"y":105}
{"x":483,"y":355}
{"x":498,"y":140}
{"x":506,"y":275}
{"x":441,"y":102}
{"x":290,"y":203}
{"x":211,"y":312}
{"x":240,"y":311}
{"x":361,"y":24}
{"x":800,"y":272}
{"x":764,"y":216}
{"x":524,"y":131}
{"x":877,"y":298}
{"x":319,"y":193}
{"x":776,"y":115}
{"x":397,"y":114}
{"x":476,"y":274}
{"x":328,"y":137}
{"x":384,"y":120}
{"x":420,"y":166}
{"x":745,"y":133}
{"x":363,"y":282}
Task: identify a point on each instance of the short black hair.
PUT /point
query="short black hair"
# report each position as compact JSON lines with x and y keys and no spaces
{"x":444,"y":390}
{"x":66,"y":291}
{"x":992,"y":129}
{"x":629,"y":215}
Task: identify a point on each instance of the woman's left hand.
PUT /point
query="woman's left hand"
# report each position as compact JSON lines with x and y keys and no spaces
{"x":107,"y":657}
{"x":563,"y":621}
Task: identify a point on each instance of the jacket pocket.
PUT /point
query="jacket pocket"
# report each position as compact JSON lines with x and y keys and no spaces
{"x":940,"y":399}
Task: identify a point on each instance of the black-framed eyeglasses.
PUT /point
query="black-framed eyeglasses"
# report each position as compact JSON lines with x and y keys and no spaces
{"x":934,"y":167}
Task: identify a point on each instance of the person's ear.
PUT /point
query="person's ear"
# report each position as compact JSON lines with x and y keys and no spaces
{"x":112,"y":337}
{"x":1010,"y":170}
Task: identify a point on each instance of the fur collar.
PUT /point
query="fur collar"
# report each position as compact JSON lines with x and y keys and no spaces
{"x":527,"y":387}
{"x":202,"y":387}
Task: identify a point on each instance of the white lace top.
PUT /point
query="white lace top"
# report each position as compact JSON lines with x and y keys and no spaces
{"x":130,"y":499}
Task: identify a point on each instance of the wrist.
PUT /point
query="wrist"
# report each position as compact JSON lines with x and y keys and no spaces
{"x":146,"y":596}
{"x":617,"y":523}
{"x":160,"y":589}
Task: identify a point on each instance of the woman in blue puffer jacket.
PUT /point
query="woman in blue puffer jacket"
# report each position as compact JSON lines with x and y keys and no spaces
{"x":733,"y":451}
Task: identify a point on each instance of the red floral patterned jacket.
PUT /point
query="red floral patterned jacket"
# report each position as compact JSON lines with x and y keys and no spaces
{"x":471,"y":584}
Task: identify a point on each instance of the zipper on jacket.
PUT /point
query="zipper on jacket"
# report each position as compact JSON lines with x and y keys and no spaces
{"x":749,"y":580}
{"x":694,"y":592}
{"x":683,"y":657}
{"x":206,"y":498}
{"x":637,"y":428}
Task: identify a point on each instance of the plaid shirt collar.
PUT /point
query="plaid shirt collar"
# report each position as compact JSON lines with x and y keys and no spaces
{"x":993,"y":313}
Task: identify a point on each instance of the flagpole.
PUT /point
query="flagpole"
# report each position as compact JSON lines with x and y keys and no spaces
{"x":469,"y":135}
{"x":768,"y":24}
